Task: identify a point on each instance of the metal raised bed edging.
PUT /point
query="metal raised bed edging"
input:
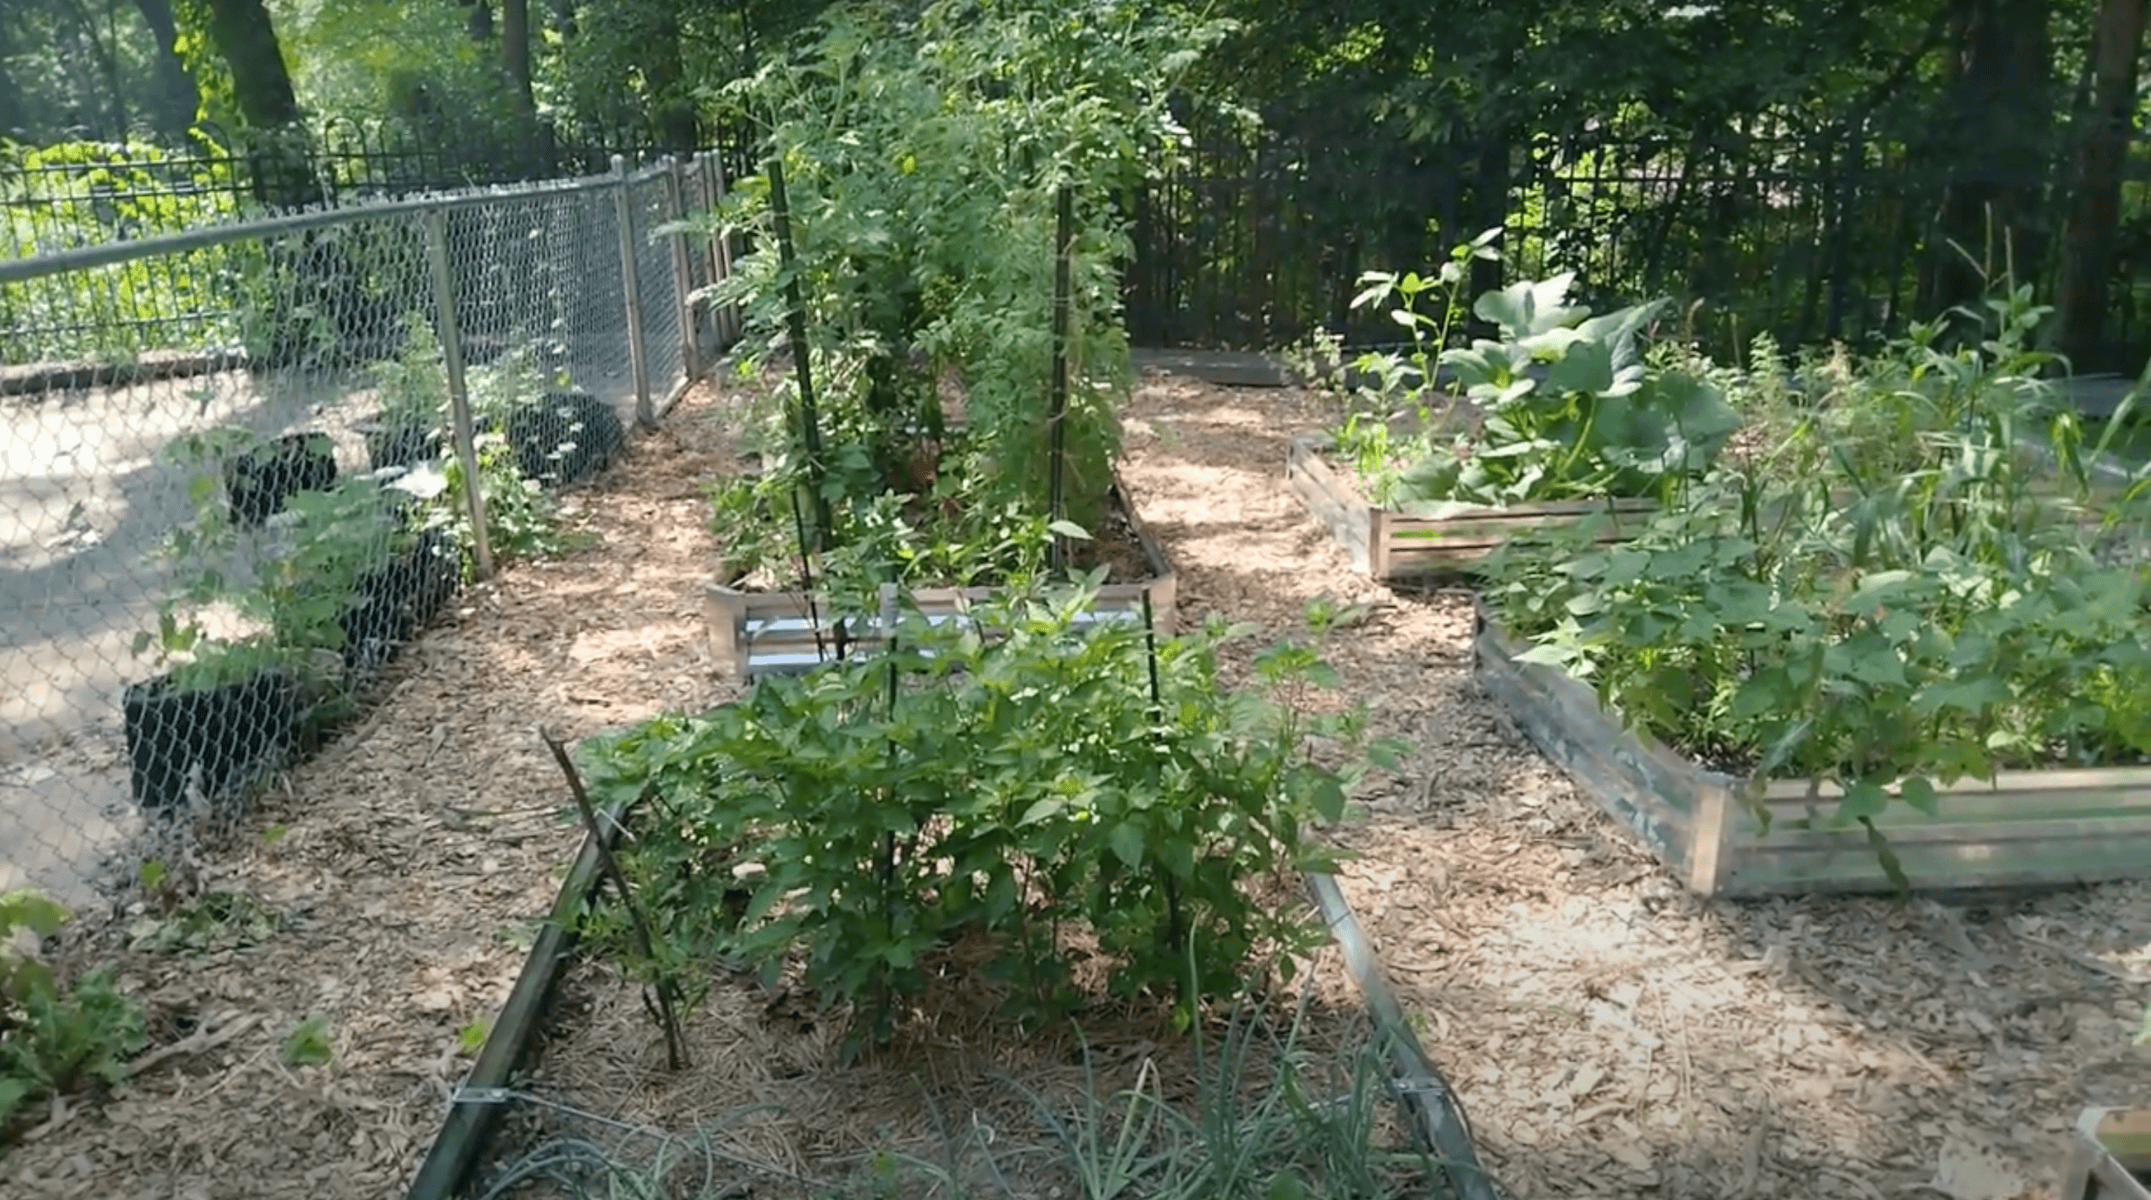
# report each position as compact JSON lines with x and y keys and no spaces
{"x":1436,"y":1115}
{"x":472,"y":1116}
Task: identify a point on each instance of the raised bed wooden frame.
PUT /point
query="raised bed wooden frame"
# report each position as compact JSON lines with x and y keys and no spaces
{"x":2110,"y":1156}
{"x":2027,"y":828}
{"x":1386,"y":544}
{"x":766,"y":633}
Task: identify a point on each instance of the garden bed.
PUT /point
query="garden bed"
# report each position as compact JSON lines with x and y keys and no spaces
{"x":2026,"y":828}
{"x":2111,"y":1157}
{"x":575,"y":1058}
{"x":1387,"y":544}
{"x":759,"y":633}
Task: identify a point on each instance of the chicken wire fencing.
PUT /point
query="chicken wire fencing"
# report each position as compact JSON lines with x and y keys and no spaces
{"x":246,"y":463}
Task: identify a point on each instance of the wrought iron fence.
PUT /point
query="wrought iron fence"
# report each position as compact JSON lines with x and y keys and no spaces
{"x":1811,"y":235}
{"x":246,"y":462}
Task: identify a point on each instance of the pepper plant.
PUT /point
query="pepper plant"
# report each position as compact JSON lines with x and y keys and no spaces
{"x":858,"y":821}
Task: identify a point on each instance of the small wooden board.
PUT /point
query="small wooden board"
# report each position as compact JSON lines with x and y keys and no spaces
{"x":1389,"y":545}
{"x":2024,"y":828}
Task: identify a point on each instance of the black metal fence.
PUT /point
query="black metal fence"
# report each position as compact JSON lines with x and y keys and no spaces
{"x":1258,"y":239}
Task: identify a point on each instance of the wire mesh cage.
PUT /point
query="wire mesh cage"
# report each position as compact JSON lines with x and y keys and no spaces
{"x":246,"y":463}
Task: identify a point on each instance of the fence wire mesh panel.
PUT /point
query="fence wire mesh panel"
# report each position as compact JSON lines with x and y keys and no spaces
{"x":233,"y":489}
{"x":660,"y":293}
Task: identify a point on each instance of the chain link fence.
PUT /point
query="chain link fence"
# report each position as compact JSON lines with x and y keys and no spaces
{"x":246,"y":462}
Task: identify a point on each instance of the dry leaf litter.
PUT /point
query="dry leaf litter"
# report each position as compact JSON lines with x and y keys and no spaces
{"x":1609,"y":1034}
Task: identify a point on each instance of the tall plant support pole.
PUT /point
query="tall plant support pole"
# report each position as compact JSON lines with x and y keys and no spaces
{"x":683,"y":280}
{"x":795,"y":323}
{"x":638,"y":357}
{"x":450,"y":331}
{"x":1057,"y":401}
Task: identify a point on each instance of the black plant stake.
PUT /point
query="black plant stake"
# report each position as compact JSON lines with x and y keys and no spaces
{"x":1057,"y":400}
{"x":1175,"y":935}
{"x":675,"y":1041}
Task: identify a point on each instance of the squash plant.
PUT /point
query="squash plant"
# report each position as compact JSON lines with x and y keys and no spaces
{"x":857,"y":821}
{"x":1563,"y":404}
{"x":1889,"y":617}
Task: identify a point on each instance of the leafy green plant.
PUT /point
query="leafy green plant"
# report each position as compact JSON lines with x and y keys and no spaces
{"x":310,"y":1043}
{"x":1888,"y":617}
{"x":866,"y":816}
{"x":521,"y":520}
{"x":213,"y":921}
{"x":1564,"y":405}
{"x":115,"y":312}
{"x":413,"y":386}
{"x":55,"y":1036}
{"x":952,"y":535}
{"x":472,"y":1034}
{"x":289,"y":596}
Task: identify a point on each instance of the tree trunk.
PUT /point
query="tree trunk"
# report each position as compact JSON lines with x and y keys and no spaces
{"x":1997,"y":131}
{"x":481,"y":19}
{"x":315,"y":300}
{"x":2088,"y":255}
{"x":278,"y":149}
{"x":178,"y":99}
{"x":515,"y":51}
{"x":111,"y":123}
{"x":14,"y":110}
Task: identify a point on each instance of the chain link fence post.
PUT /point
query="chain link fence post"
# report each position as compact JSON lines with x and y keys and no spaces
{"x":459,"y":400}
{"x":720,"y":248}
{"x":631,"y":286}
{"x":683,"y":282}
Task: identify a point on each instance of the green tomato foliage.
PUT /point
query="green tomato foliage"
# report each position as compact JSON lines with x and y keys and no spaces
{"x":922,"y":156}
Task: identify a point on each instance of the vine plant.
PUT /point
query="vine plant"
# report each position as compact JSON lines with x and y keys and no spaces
{"x":856,"y":822}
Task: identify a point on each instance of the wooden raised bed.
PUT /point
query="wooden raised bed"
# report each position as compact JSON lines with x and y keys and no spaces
{"x":2110,"y":1156}
{"x":2025,"y":828}
{"x":1387,"y":544}
{"x":764,"y":633}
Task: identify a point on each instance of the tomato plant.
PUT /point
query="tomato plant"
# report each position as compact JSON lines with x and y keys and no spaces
{"x":922,"y":156}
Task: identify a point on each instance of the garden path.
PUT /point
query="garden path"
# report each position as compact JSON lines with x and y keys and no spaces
{"x":1610,"y":1034}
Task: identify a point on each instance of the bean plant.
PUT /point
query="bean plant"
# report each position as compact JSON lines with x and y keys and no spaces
{"x":1051,"y":794}
{"x":1913,"y":587}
